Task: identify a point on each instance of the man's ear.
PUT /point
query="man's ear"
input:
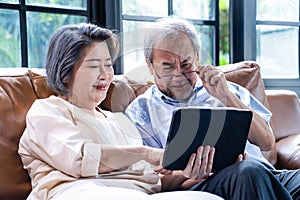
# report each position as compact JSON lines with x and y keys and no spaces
{"x":150,"y":66}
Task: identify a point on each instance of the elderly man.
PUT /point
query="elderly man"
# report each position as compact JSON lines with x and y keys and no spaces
{"x":171,"y":50}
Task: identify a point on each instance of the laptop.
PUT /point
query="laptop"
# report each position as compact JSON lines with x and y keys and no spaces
{"x":224,"y":128}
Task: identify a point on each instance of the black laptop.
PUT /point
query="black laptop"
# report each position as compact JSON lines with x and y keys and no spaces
{"x":224,"y":128}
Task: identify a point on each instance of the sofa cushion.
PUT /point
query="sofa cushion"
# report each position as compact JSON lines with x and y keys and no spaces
{"x":122,"y":91}
{"x":118,"y":97}
{"x":247,"y":74}
{"x":38,"y":80}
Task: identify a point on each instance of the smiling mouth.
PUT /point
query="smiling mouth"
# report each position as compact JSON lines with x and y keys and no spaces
{"x":101,"y":87}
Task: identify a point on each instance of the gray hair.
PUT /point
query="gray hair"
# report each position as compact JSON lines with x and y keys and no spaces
{"x":66,"y":49}
{"x":169,"y":29}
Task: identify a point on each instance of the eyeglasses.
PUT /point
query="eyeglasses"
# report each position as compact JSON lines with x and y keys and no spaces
{"x":168,"y":72}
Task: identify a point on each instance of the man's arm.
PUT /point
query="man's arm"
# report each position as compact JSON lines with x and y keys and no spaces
{"x":139,"y":116}
{"x":260,"y":133}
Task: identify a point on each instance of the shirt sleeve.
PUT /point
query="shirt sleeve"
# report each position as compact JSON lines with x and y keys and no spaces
{"x":245,"y":96}
{"x":138,"y":114}
{"x":55,"y":139}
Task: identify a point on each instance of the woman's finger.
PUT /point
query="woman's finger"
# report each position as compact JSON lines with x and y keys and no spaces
{"x":161,"y":170}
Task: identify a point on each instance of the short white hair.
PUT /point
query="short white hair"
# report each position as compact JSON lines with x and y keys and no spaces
{"x":169,"y":29}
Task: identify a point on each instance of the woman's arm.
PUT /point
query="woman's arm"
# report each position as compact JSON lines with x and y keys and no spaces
{"x":53,"y":137}
{"x":114,"y":157}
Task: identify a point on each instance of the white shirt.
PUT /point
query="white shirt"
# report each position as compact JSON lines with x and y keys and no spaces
{"x":62,"y":144}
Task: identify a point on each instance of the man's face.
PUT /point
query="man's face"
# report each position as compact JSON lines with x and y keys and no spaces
{"x":171,"y":64}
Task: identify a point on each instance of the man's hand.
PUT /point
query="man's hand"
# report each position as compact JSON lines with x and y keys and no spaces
{"x":200,"y":164}
{"x":214,"y":81}
{"x":242,"y":157}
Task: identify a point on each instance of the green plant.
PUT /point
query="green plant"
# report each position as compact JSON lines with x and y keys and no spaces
{"x":224,"y":32}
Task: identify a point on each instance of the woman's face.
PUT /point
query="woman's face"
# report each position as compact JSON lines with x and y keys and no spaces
{"x":92,"y":78}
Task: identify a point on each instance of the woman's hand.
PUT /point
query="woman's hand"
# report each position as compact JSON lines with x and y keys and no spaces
{"x":200,"y":164}
{"x":154,"y":155}
{"x":161,"y":170}
{"x":112,"y":156}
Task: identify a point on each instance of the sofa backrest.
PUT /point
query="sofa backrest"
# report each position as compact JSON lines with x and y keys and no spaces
{"x":247,"y":74}
{"x":16,"y":96}
{"x":19,"y":87}
{"x":125,"y":89}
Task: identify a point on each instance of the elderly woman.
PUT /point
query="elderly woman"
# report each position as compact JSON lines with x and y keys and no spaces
{"x":73,"y":149}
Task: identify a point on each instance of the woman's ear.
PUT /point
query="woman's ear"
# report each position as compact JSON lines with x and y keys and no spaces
{"x":150,"y":66}
{"x":65,"y":80}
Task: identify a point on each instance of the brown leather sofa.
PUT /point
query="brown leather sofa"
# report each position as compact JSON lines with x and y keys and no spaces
{"x":19,"y":87}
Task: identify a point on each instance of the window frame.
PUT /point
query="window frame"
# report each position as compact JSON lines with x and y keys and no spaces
{"x":95,"y":12}
{"x":243,"y":28}
{"x":114,"y":21}
{"x":108,"y":13}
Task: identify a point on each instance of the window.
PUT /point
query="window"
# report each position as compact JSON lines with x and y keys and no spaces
{"x":268,"y":31}
{"x":277,"y":35}
{"x":26,"y":26}
{"x":136,"y":15}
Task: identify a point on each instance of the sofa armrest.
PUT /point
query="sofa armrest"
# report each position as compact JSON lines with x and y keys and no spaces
{"x":288,"y":150}
{"x":285,"y":107}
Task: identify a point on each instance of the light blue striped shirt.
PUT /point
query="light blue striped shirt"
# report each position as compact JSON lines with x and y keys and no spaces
{"x":152,"y":112}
